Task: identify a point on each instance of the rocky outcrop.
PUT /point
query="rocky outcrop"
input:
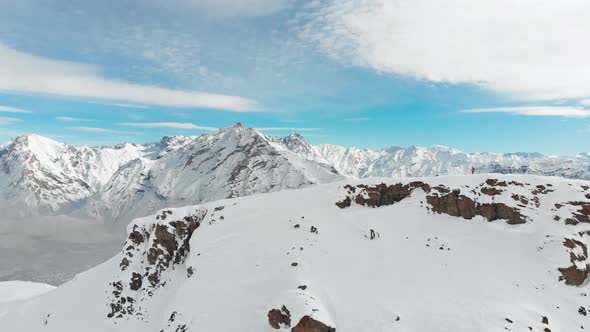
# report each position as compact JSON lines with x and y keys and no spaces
{"x":151,"y":253}
{"x":380,"y":194}
{"x":278,"y":318}
{"x":457,"y":205}
{"x":577,"y":273}
{"x":308,"y":324}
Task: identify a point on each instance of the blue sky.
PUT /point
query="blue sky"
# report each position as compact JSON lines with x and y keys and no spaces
{"x":365,"y":73}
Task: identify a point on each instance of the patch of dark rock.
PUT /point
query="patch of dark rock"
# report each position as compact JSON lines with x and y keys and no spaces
{"x":124,"y":264}
{"x":509,"y":320}
{"x":136,"y":281}
{"x":573,"y":276}
{"x":219,"y":208}
{"x":302,"y":287}
{"x":490,"y":191}
{"x":545,"y":320}
{"x":463,"y":206}
{"x":294,"y":264}
{"x":314,"y":230}
{"x":582,"y":311}
{"x":190,"y":271}
{"x":172,"y":317}
{"x":541,"y":189}
{"x":380,"y":194}
{"x":308,"y":324}
{"x":279,"y":317}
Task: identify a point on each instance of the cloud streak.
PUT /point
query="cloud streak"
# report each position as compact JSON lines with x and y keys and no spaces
{"x":502,"y":45}
{"x":176,"y":125}
{"x":70,"y":119}
{"x":100,"y":130}
{"x":26,"y":73}
{"x":568,"y":112}
{"x":7,"y":120}
{"x":8,"y":109}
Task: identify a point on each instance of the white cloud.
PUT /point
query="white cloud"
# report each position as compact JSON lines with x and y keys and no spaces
{"x":100,"y":130}
{"x":27,"y":73}
{"x":287,"y":129}
{"x":7,"y":120}
{"x":70,"y":119}
{"x":228,"y":8}
{"x":129,"y":105}
{"x":585,"y":102}
{"x":8,"y":109}
{"x":177,"y":125}
{"x":570,"y":112}
{"x":534,"y":49}
{"x":356,"y":119}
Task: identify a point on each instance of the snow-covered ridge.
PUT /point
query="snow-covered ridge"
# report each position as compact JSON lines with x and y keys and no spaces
{"x":40,"y":175}
{"x":428,"y":254}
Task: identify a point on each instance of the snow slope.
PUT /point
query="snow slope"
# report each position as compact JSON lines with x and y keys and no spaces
{"x":223,"y":266}
{"x":21,"y":290}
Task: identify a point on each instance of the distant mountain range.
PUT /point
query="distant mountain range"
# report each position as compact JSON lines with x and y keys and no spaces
{"x":42,"y":176}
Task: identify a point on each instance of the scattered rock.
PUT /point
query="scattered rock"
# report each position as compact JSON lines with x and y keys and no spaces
{"x":278,"y":318}
{"x":491,"y":191}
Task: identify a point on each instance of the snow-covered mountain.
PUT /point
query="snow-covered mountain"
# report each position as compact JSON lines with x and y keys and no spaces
{"x":450,"y":253}
{"x":40,"y":175}
{"x":234,"y":162}
{"x":440,"y":160}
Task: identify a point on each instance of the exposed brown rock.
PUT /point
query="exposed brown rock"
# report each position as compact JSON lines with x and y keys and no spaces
{"x":277,"y":317}
{"x":541,"y":189}
{"x":573,"y":276}
{"x":344,"y":203}
{"x":462,"y":206}
{"x":308,"y":324}
{"x":168,"y":245}
{"x":380,"y":194}
{"x":491,"y":191}
{"x":136,"y":281}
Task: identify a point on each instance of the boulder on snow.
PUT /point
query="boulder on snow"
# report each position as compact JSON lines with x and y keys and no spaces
{"x":308,"y":324}
{"x":279,"y":317}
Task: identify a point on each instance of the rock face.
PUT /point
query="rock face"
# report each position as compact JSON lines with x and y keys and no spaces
{"x":379,"y":195}
{"x":441,"y":200}
{"x":457,"y":205}
{"x":308,"y":324}
{"x":151,"y":253}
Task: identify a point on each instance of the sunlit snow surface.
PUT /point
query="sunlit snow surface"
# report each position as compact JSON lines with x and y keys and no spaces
{"x":490,"y":276}
{"x":21,"y":290}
